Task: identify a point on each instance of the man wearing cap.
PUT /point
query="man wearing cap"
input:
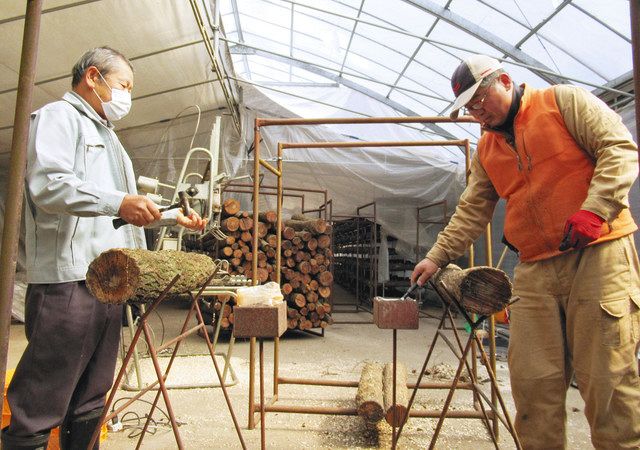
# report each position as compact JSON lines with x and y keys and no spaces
{"x":564,"y":163}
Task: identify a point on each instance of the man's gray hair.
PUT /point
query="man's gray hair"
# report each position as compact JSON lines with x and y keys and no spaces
{"x":105,"y":59}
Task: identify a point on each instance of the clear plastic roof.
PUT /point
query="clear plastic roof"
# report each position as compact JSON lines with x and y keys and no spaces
{"x":402,"y":52}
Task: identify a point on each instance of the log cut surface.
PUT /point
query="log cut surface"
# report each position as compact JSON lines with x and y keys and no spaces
{"x":395,"y":413}
{"x":119,"y":274}
{"x":481,"y":290}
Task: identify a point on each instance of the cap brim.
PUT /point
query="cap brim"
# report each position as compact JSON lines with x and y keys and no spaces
{"x":463,"y":99}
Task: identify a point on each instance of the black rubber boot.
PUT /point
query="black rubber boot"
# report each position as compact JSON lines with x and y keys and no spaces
{"x":34,"y":442}
{"x":76,"y":434}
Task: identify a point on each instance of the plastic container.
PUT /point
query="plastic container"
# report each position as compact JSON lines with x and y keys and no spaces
{"x":265,"y":294}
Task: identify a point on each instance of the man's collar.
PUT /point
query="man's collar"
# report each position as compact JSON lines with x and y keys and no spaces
{"x":516,"y":99}
{"x":81,"y":105}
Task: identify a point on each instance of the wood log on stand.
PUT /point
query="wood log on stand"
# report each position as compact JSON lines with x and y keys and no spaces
{"x":395,"y":413}
{"x":481,"y":290}
{"x":369,"y":399}
{"x":121,"y":274}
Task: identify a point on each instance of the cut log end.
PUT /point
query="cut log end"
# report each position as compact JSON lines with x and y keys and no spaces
{"x":106,"y":279}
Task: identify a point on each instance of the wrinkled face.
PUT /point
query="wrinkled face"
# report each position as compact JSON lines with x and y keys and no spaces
{"x":490,"y":105}
{"x":121,"y":77}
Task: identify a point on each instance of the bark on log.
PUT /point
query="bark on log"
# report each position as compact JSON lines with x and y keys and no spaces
{"x":317,"y":226}
{"x":118,"y":275}
{"x":481,"y":290}
{"x":369,"y":399}
{"x":268,"y":216}
{"x":395,"y":414}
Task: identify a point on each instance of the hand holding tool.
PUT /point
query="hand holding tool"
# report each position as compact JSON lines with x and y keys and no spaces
{"x":581,"y":228}
{"x":410,"y":291}
{"x":183,"y":203}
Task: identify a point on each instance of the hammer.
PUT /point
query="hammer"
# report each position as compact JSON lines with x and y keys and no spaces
{"x":183,"y":203}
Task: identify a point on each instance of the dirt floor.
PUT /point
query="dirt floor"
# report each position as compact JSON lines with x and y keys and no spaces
{"x":205,"y":422}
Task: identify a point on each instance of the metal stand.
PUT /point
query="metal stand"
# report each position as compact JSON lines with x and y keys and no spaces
{"x":448,"y":300}
{"x":162,"y":390}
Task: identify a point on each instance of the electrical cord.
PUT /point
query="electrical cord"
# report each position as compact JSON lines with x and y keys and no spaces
{"x":134,"y":422}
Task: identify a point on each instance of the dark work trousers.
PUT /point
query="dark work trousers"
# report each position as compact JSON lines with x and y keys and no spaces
{"x":68,"y":365}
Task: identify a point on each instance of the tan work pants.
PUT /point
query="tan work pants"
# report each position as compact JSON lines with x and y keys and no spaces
{"x":577,"y":312}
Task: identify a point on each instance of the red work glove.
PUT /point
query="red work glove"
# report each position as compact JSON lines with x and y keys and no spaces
{"x":581,"y":228}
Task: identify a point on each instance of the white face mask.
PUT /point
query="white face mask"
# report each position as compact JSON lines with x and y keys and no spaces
{"x":119,"y":105}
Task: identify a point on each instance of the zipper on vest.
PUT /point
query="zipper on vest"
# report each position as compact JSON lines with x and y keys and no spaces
{"x":526,"y":153}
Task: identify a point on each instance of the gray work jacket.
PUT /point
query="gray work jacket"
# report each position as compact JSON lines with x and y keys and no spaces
{"x":77,"y":176}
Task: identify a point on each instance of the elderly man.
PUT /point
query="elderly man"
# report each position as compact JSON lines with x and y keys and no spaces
{"x":564,"y":163}
{"x":78,"y":178}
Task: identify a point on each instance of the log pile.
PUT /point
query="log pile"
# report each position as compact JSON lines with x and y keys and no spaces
{"x":306,"y":258}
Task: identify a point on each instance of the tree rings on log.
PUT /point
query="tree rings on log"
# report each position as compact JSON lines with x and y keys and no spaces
{"x":480,"y":290}
{"x":395,"y":414}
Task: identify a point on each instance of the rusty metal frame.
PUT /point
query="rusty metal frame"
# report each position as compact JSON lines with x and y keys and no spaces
{"x":278,"y":172}
{"x":293,"y":189}
{"x":15,"y":183}
{"x":162,"y":389}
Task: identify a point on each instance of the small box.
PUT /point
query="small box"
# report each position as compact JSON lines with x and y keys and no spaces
{"x":395,"y":314}
{"x":260,"y":321}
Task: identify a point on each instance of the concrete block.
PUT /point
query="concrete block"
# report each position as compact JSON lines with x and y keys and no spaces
{"x":393,"y":313}
{"x":260,"y":321}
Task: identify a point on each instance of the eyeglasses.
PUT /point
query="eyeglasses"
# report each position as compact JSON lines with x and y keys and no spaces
{"x":477,"y":105}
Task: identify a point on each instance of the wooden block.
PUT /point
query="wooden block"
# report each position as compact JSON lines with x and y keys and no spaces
{"x":260,"y":321}
{"x":393,"y":313}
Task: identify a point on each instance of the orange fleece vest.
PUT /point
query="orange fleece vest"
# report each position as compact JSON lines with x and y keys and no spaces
{"x":544,"y":179}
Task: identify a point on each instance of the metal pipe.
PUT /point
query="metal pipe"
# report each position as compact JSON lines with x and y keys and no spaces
{"x":451,"y":414}
{"x":163,"y":389}
{"x":494,"y":383}
{"x":393,"y":389}
{"x":279,"y":215}
{"x":15,"y":185}
{"x":263,"y":186}
{"x":269,"y":167}
{"x":447,"y":402}
{"x":254,"y":266}
{"x":360,"y":144}
{"x":338,"y":411}
{"x":206,"y":40}
{"x":488,"y":254}
{"x":262,"y":409}
{"x":311,"y":382}
{"x":262,"y":122}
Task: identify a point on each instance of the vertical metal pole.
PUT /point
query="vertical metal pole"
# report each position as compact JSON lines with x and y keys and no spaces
{"x":279,"y":215}
{"x":492,"y":329}
{"x":256,"y":201}
{"x":216,"y":34}
{"x":254,"y":274}
{"x":15,"y":185}
{"x":394,"y":441}
{"x":276,"y":340}
{"x":635,"y":49}
{"x":262,"y":418}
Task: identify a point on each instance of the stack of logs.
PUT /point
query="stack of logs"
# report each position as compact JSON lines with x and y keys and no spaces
{"x":306,"y":277}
